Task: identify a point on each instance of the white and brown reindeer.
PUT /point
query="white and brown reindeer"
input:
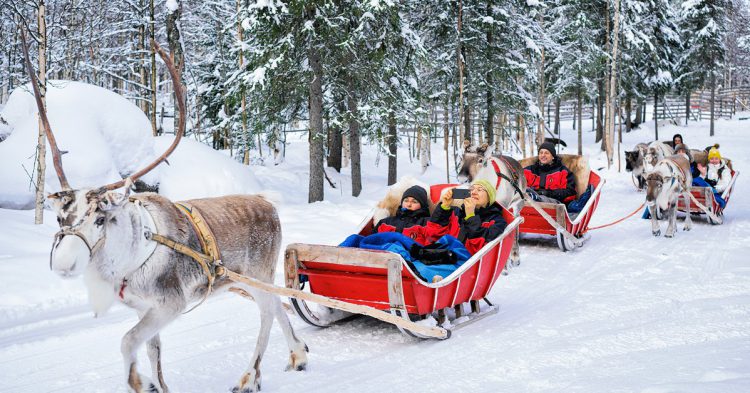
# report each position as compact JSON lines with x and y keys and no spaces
{"x":109,"y":237}
{"x":669,"y":179}
{"x":655,"y":152}
{"x":478,"y":162}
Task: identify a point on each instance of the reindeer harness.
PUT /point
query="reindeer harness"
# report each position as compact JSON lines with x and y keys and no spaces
{"x":513,"y":182}
{"x":210,"y":259}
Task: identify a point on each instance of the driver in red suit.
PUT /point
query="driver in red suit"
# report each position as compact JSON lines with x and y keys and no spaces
{"x":548,"y":179}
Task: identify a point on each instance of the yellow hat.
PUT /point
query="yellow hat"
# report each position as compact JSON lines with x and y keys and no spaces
{"x":488,"y":187}
{"x":714,"y":153}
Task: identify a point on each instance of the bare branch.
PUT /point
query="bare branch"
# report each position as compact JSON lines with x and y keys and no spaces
{"x":56,"y":156}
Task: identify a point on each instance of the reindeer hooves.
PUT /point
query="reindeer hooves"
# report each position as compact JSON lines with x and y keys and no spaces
{"x":297,"y":360}
{"x":656,"y":233}
{"x":248,"y":389}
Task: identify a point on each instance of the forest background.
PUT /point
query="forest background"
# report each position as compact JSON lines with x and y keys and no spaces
{"x":392,"y":74}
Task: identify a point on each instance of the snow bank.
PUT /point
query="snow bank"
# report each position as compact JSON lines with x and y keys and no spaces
{"x":104,"y":134}
{"x":196,"y":170}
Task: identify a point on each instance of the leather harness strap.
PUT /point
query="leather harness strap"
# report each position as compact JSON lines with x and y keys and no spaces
{"x":210,"y":259}
{"x":513,"y":182}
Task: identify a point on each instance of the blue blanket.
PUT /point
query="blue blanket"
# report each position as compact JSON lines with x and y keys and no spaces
{"x":400,"y":244}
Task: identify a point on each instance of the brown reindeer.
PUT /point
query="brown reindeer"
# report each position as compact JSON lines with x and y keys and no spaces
{"x":109,"y":237}
{"x":669,"y":179}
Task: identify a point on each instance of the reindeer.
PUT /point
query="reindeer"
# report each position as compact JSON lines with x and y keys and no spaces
{"x":655,"y":152}
{"x":109,"y":237}
{"x":669,"y":178}
{"x":634,"y":163}
{"x":502,"y":171}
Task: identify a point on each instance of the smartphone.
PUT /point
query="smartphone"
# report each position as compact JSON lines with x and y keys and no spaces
{"x":461,"y":193}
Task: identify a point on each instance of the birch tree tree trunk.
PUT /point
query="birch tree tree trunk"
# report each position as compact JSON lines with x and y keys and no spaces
{"x":611,"y":108}
{"x":460,"y":60}
{"x":41,"y":148}
{"x":142,"y":103}
{"x":557,"y":115}
{"x":713,"y":97}
{"x":392,"y":151}
{"x":579,"y":109}
{"x":152,"y":35}
{"x":540,"y":120}
{"x":656,"y":116}
{"x":446,"y":136}
{"x":243,"y":98}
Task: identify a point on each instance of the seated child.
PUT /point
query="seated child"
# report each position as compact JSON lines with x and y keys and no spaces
{"x":716,"y":175}
{"x":411,"y":217}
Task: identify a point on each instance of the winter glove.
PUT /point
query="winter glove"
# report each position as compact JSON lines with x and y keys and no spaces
{"x":533,"y":195}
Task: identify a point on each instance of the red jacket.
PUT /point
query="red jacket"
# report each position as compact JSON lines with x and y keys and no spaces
{"x":484,"y":226}
{"x":409,"y":223}
{"x":553,"y":180}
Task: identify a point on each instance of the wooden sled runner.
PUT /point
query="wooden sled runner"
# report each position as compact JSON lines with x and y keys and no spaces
{"x":705,"y":196}
{"x":384,"y":281}
{"x":535,"y":223}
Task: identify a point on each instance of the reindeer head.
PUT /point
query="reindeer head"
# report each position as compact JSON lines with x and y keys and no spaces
{"x":632,"y":160}
{"x":650,"y":159}
{"x":473,"y":159}
{"x":84,"y":215}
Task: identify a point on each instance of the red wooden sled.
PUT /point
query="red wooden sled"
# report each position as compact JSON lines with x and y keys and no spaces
{"x":535,"y":223}
{"x":383,"y":280}
{"x":705,"y":195}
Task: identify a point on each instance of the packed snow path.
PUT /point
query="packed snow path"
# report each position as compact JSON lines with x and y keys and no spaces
{"x":628,"y":312}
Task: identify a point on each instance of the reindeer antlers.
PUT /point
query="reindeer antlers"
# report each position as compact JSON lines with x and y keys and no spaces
{"x":179,"y":92}
{"x":56,"y":159}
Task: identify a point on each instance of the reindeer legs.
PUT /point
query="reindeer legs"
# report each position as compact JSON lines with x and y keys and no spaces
{"x":250,"y":380}
{"x":153,"y":348}
{"x":672,"y":218}
{"x":297,"y":348}
{"x":147,"y":328}
{"x":688,"y":219}
{"x":652,"y":209}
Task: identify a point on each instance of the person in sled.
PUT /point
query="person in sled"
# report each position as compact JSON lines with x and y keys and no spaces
{"x":478,"y":221}
{"x":715,"y":175}
{"x":548,"y":179}
{"x":411,"y":217}
{"x":676,"y":140}
{"x":407,"y":234}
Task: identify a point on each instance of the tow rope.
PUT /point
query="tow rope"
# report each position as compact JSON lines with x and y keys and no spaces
{"x":617,"y":221}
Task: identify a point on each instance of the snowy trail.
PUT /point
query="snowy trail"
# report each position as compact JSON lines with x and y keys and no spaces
{"x":627,"y":312}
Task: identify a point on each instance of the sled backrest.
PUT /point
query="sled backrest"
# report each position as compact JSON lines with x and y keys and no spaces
{"x":579,"y":165}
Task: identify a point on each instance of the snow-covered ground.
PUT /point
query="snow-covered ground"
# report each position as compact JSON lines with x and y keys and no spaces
{"x":628,"y":312}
